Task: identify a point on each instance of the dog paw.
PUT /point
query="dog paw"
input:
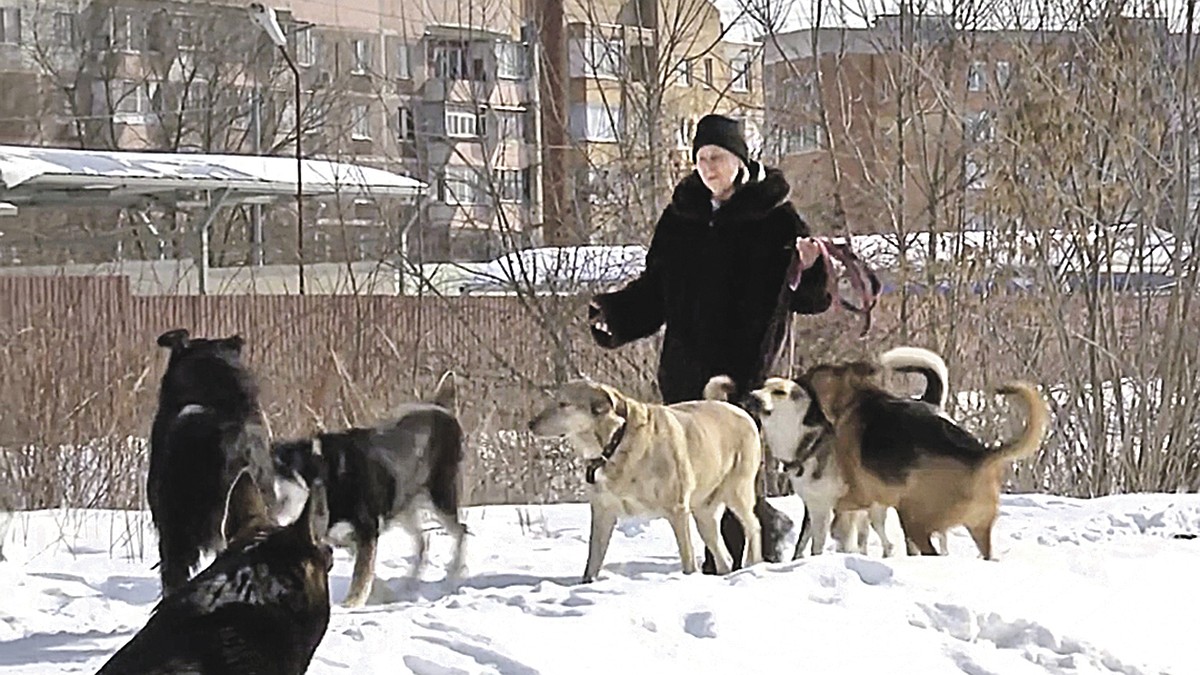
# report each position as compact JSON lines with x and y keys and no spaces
{"x":354,"y":602}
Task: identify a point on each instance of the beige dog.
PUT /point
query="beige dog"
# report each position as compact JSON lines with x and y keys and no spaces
{"x":683,"y":461}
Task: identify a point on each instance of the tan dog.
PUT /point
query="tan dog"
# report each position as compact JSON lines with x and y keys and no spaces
{"x":683,"y":461}
{"x":898,"y":452}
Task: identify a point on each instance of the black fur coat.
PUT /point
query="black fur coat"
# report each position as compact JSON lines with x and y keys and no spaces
{"x":717,"y":280}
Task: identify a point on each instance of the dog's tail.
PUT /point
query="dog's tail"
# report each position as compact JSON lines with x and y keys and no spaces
{"x":1036,"y":427}
{"x":446,"y":392}
{"x":925,"y":362}
{"x":719,"y":388}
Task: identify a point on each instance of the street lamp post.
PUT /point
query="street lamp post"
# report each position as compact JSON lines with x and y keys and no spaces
{"x":266,"y":19}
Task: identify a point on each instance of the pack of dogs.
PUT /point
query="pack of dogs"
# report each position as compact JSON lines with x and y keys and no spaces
{"x":270,"y":510}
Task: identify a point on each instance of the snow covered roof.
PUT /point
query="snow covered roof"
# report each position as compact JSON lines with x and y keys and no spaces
{"x":1134,"y":249}
{"x":559,"y":268}
{"x":38,"y":176}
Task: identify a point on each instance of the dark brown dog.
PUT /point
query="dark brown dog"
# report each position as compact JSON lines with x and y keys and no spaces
{"x":898,"y":452}
{"x":261,"y":607}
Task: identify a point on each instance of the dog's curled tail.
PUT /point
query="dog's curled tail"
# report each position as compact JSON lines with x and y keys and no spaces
{"x":925,"y":362}
{"x":446,"y":392}
{"x":719,"y":388}
{"x":1036,"y":426}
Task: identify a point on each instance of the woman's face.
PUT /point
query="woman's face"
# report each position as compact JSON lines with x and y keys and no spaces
{"x":718,"y":168}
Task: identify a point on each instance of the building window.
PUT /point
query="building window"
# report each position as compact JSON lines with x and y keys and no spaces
{"x":361,"y":123}
{"x":595,"y":122}
{"x":973,"y":173}
{"x":510,"y":61}
{"x":64,"y":29}
{"x":708,"y":72}
{"x":976,"y":76}
{"x":1003,"y":74}
{"x":10,"y":26}
{"x":464,"y":124}
{"x":450,"y":61}
{"x":802,"y":138}
{"x":642,"y":63}
{"x":127,"y":101}
{"x":510,"y":185}
{"x":511,"y":125}
{"x":406,"y":128}
{"x":362,"y":56}
{"x":403,"y":63}
{"x":978,"y":128}
{"x":306,"y":47}
{"x":685,"y":133}
{"x":739,"y":72}
{"x":683,"y":73}
{"x":127,"y":31}
{"x":603,"y":57}
{"x":459,"y":185}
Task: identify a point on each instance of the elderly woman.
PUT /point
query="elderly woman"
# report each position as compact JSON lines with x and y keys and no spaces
{"x":717,"y":276}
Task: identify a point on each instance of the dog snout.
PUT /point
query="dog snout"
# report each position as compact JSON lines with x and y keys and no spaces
{"x":756,"y":406}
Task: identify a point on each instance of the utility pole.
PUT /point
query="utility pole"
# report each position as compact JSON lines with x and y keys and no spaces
{"x":256,"y":234}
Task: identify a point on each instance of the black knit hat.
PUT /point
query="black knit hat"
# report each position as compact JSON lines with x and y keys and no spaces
{"x":723,"y":132}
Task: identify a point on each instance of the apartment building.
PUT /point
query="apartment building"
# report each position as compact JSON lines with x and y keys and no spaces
{"x":622,"y":88}
{"x":439,"y":91}
{"x":846,"y":105}
{"x":532,"y":121}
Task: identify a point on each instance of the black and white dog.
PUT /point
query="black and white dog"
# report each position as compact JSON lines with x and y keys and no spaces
{"x":379,"y":476}
{"x":800,"y":438}
{"x":207,"y":429}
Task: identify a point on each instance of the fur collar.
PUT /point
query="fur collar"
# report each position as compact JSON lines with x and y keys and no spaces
{"x":751,"y":201}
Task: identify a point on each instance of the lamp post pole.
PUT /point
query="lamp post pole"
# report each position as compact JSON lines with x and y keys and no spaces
{"x":267,"y":20}
{"x":299,"y":171}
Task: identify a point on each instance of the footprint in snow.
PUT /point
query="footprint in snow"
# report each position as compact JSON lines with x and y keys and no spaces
{"x":700,"y":624}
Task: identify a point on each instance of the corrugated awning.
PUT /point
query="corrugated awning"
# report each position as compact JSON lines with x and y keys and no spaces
{"x":43,"y":176}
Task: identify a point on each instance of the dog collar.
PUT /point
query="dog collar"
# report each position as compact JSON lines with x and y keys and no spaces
{"x":606,"y":454}
{"x":796,"y":466}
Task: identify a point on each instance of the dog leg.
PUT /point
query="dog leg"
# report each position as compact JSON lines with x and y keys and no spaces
{"x":743,"y":507}
{"x":878,"y":517}
{"x":364,"y":572}
{"x":451,"y":523}
{"x":821,"y":521}
{"x":982,"y":534}
{"x":805,"y":534}
{"x":603,"y":523}
{"x":707,"y":525}
{"x":862,"y":530}
{"x":843,"y":530}
{"x":943,"y":546}
{"x":917,"y":535}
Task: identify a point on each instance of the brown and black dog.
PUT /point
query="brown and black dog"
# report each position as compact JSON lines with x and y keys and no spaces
{"x":899,"y":452}
{"x":261,"y":607}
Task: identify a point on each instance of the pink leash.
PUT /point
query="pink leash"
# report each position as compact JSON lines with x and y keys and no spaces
{"x":862,"y":278}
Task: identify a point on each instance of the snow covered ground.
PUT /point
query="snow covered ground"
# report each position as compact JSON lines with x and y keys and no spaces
{"x":1082,"y":586}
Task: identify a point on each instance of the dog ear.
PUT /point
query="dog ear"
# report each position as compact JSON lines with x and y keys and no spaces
{"x":445,"y":393}
{"x":245,"y":510}
{"x":234,"y":343}
{"x":313,"y":523}
{"x":601,"y":400}
{"x":864,"y":369}
{"x":620,"y":406}
{"x":173,"y":339}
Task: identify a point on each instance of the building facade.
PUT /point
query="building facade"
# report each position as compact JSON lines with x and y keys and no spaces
{"x":532,"y":121}
{"x":912,"y":123}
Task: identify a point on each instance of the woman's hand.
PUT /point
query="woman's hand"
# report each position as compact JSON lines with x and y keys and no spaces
{"x":809,"y":250}
{"x":597,"y":320}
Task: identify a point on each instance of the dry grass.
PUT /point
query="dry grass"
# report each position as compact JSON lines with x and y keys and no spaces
{"x":78,"y":404}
